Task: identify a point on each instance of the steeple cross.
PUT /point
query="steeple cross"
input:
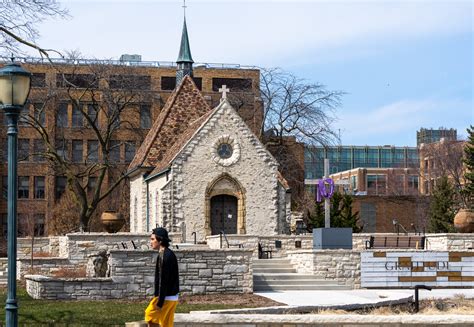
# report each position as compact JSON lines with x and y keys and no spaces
{"x":224,"y":91}
{"x":184,"y":7}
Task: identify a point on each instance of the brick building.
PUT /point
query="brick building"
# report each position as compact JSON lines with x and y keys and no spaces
{"x":443,"y":158}
{"x":378,"y":181}
{"x":55,"y":106}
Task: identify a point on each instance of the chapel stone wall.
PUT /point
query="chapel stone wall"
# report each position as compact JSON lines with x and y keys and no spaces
{"x":255,"y":171}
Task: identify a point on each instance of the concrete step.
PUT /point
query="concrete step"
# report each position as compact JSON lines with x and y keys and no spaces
{"x":274,"y":270}
{"x":272,"y":261}
{"x":294,"y":281}
{"x":262,"y":288}
{"x":268,"y":265}
{"x":284,"y":276}
{"x":255,"y":268}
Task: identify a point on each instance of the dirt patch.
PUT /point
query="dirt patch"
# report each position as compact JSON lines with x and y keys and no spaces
{"x":244,"y":300}
{"x":459,"y":305}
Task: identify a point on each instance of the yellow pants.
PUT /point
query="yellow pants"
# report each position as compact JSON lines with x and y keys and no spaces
{"x":164,"y":316}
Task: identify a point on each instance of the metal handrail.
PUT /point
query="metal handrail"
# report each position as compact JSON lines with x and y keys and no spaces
{"x":34,"y":60}
{"x":225,"y":237}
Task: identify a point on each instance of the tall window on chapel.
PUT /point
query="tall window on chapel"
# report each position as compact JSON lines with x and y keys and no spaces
{"x":145,"y":116}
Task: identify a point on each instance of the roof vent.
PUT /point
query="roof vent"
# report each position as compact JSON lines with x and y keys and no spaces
{"x":131,"y":57}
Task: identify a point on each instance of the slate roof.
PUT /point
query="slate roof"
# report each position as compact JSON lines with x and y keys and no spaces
{"x":184,"y":107}
{"x":180,"y":143}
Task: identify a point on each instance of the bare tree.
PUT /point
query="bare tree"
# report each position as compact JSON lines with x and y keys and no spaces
{"x":105,"y":102}
{"x":19,"y":20}
{"x":295,"y":107}
{"x":444,"y":158}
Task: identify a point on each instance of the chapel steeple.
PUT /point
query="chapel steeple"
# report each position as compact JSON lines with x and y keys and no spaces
{"x":185,"y":61}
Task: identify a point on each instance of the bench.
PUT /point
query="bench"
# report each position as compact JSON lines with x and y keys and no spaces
{"x":396,"y":241}
{"x":264,"y":252}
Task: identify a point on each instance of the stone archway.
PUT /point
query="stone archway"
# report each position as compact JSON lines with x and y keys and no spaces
{"x":227,"y":188}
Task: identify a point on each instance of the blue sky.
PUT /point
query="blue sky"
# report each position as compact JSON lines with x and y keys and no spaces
{"x":403,"y":64}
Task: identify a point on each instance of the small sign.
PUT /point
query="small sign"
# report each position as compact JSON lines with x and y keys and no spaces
{"x":409,"y":268}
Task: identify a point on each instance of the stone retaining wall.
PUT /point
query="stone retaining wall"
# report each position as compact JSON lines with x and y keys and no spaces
{"x":202,"y":271}
{"x":342,"y":266}
{"x":41,"y":244}
{"x":42,"y":266}
{"x":446,"y":242}
{"x":81,"y":245}
{"x":268,"y":320}
{"x":449,"y":242}
{"x":288,"y":242}
{"x":3,"y":270}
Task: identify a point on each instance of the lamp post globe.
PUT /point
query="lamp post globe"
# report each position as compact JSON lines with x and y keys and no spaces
{"x":14,"y":90}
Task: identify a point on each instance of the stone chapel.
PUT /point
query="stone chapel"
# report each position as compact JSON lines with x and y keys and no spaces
{"x":203,"y":170}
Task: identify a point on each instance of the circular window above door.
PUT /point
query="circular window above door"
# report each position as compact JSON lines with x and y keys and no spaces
{"x":226,"y":151}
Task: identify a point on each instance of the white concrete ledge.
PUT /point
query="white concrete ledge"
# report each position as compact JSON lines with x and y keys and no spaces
{"x":188,"y":320}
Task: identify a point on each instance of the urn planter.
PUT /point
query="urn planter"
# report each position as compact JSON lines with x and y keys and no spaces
{"x":112,"y":221}
{"x":464,"y":221}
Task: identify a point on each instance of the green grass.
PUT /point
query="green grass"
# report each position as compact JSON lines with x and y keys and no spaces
{"x":84,"y":313}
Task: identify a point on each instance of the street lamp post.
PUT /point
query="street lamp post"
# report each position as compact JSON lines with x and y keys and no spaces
{"x":14,"y":90}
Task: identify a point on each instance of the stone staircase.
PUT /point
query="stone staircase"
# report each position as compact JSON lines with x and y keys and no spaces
{"x":279,"y":275}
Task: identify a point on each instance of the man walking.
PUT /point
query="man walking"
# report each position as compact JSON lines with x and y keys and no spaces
{"x":161,"y":309}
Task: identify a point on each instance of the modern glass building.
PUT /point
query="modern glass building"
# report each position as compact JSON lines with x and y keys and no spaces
{"x":427,"y":136}
{"x":345,"y":157}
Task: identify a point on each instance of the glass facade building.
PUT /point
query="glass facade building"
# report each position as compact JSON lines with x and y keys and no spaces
{"x":427,"y":136}
{"x":343,"y":158}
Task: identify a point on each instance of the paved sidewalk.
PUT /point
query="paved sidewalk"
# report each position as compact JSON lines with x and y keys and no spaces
{"x":364,"y":296}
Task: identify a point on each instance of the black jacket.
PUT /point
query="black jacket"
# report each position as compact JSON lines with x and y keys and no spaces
{"x":169,"y":276}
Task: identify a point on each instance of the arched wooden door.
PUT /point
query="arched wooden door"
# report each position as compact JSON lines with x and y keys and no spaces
{"x":223,"y":214}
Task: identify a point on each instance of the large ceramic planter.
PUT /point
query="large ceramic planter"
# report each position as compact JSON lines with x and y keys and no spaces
{"x":464,"y":221}
{"x":112,"y":221}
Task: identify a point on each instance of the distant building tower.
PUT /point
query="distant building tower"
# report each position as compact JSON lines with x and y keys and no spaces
{"x":428,"y":136}
{"x":185,"y":61}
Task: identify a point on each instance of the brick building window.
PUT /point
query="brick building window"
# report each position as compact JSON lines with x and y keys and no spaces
{"x":93,"y":151}
{"x":198,"y":82}
{"x":114,"y":151}
{"x":77,"y":117}
{"x":234,"y":84}
{"x":23,"y":187}
{"x":134,"y":82}
{"x":59,"y":186}
{"x":61,"y":148}
{"x":38,"y":149}
{"x":413,"y":182}
{"x":371,"y":184}
{"x":23,"y":223}
{"x":24,"y":112}
{"x":129,"y":151}
{"x":61,"y":116}
{"x":77,"y":150}
{"x":40,"y":113}
{"x":39,"y":220}
{"x":91,"y":184}
{"x":381,"y":184}
{"x":39,"y":187}
{"x":92,"y":110}
{"x":77,"y":80}
{"x":168,"y":83}
{"x":23,"y":149}
{"x":113,"y":117}
{"x":38,"y":80}
{"x":145,"y":116}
